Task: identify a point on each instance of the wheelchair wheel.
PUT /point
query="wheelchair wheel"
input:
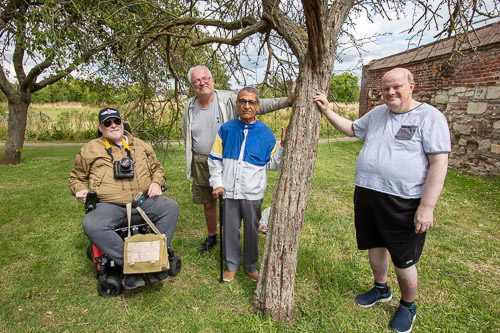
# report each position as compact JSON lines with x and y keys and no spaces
{"x":111,"y":288}
{"x":175,"y":266}
{"x":89,"y":252}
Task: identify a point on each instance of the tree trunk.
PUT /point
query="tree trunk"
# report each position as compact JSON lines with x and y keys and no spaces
{"x":18,"y":114}
{"x":274,"y":294}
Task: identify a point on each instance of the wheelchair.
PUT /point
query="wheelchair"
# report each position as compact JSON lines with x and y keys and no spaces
{"x":106,"y":271}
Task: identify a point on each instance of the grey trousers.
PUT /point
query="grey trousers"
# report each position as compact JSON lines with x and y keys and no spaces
{"x":99,"y":224}
{"x":235,"y":211}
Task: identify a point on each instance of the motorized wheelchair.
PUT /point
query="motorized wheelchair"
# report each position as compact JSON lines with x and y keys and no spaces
{"x":108,"y":273}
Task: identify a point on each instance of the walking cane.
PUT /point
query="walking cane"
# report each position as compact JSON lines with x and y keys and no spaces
{"x":221,"y":221}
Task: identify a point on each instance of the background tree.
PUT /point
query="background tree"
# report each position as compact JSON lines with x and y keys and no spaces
{"x":344,"y":88}
{"x":44,"y":41}
{"x":141,"y":46}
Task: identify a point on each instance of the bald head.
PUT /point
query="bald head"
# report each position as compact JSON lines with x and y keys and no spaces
{"x":399,"y":72}
{"x":397,"y":90}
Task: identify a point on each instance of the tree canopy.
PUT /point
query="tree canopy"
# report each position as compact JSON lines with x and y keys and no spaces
{"x":344,"y":88}
{"x":121,"y":43}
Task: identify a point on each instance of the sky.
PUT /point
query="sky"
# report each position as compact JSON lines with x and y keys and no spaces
{"x":394,"y":42}
{"x":388,"y":45}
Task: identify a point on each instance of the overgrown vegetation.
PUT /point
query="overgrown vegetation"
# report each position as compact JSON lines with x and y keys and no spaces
{"x":81,"y":91}
{"x":78,"y":122}
{"x":47,"y":284}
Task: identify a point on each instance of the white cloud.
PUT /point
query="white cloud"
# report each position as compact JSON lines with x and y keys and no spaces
{"x":393,"y":42}
{"x":396,"y":40}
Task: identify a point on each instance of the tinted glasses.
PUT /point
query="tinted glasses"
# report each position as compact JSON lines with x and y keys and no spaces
{"x":107,"y":122}
{"x":250,"y":102}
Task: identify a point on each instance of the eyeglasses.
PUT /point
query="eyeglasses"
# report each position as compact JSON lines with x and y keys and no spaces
{"x":201,"y":80}
{"x":250,"y":102}
{"x":108,"y":122}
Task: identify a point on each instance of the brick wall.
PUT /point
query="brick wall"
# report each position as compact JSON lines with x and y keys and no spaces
{"x":468,"y":93}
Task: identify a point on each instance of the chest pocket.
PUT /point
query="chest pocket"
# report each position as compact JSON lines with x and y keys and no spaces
{"x":144,"y":165}
{"x":406,"y":132}
{"x":98,"y":171}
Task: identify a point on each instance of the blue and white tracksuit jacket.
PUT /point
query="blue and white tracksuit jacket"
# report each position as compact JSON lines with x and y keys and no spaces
{"x":240,"y":156}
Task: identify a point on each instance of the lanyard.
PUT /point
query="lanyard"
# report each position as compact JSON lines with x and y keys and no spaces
{"x":125,"y":146}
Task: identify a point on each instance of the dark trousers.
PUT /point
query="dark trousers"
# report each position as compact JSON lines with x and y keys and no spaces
{"x":99,"y":224}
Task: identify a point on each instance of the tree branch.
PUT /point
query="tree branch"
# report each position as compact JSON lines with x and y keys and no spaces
{"x":258,"y":27}
{"x":188,"y":21}
{"x":315,"y":18}
{"x":5,"y":85}
{"x":294,"y":35}
{"x":269,"y":58}
{"x":17,"y":61}
{"x":34,"y":72}
{"x":19,"y":50}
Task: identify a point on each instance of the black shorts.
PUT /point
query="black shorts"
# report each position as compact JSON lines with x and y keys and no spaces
{"x":384,"y":220}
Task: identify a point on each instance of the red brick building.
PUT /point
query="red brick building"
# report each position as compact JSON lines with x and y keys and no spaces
{"x":467,"y":92}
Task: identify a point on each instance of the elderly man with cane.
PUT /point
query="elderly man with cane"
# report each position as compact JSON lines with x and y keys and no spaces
{"x":244,"y":149}
{"x":203,"y":115}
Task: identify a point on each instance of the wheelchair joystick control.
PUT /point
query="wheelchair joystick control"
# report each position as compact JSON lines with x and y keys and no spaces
{"x":90,"y":202}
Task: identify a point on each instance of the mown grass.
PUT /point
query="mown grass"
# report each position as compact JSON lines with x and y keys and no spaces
{"x":47,"y":284}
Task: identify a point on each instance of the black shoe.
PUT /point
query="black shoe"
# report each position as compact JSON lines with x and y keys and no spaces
{"x":403,"y":319}
{"x":132,"y":281}
{"x":207,"y":245}
{"x":157,"y":277}
{"x":373,"y":296}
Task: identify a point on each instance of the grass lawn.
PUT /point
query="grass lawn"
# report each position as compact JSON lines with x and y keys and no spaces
{"x":47,"y":284}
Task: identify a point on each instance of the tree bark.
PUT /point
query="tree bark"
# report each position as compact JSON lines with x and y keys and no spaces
{"x":274,"y":294}
{"x":18,"y":114}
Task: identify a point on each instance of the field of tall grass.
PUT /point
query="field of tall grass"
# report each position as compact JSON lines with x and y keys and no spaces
{"x":56,"y":122}
{"x":280,"y":118}
{"x":78,"y":122}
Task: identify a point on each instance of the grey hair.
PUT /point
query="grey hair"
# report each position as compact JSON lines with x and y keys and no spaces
{"x":195,"y":67}
{"x":252,"y":90}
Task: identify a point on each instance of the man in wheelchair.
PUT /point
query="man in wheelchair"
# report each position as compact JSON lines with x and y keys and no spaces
{"x":117,"y":166}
